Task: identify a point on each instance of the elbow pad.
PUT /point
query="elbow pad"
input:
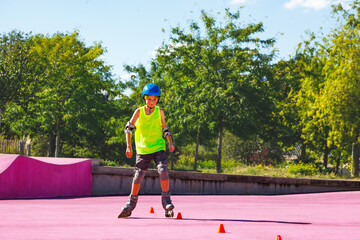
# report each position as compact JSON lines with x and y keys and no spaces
{"x":129,"y":127}
{"x":166,"y":132}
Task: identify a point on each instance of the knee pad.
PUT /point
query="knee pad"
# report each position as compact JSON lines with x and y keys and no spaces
{"x":163,"y":171}
{"x":138,"y":175}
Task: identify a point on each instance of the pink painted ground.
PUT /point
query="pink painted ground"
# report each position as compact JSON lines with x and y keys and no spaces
{"x":308,"y":216}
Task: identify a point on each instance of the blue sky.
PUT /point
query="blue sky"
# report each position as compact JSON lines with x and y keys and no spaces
{"x":130,"y":30}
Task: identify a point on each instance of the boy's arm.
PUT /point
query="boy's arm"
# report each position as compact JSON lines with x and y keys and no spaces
{"x":128,"y":145}
{"x":168,"y":137}
{"x":128,"y":132}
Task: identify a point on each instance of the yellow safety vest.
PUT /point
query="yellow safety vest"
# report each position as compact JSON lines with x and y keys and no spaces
{"x":148,"y":133}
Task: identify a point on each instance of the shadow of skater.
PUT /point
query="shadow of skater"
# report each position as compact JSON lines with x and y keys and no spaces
{"x":245,"y":220}
{"x":228,"y":220}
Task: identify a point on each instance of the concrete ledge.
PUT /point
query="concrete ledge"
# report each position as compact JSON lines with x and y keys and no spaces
{"x":117,"y":181}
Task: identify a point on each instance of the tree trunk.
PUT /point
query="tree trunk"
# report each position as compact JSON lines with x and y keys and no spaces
{"x":197,"y":148}
{"x":22,"y":148}
{"x":326,"y":149}
{"x":218,"y":160}
{"x":303,"y":152}
{"x":326,"y":155}
{"x":57,"y":146}
{"x":49,"y":145}
{"x":338,"y":158}
{"x":355,"y":153}
{"x":28,"y":149}
{"x":0,"y":118}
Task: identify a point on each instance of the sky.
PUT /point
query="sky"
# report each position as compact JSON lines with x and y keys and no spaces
{"x":131,"y":30}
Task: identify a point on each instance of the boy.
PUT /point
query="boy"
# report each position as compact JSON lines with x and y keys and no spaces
{"x":151,"y":132}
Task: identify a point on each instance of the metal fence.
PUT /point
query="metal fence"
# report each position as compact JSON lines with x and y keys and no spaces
{"x":15,"y":147}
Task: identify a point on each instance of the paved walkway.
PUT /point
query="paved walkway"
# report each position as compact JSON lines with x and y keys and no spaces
{"x":304,"y":217}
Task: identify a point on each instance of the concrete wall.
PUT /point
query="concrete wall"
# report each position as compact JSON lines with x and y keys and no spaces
{"x":117,"y":181}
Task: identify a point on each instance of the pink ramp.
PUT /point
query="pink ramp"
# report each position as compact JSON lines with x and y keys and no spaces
{"x":25,"y":177}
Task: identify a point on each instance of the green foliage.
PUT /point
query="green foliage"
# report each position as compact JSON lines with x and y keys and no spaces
{"x":318,"y":104}
{"x":18,"y":71}
{"x":73,"y":74}
{"x":110,"y":163}
{"x":340,"y":98}
{"x":213,"y":76}
{"x":251,"y":151}
{"x":308,"y":169}
{"x":283,"y":169}
{"x":69,"y":105}
{"x":229,"y":105}
{"x":186,"y":163}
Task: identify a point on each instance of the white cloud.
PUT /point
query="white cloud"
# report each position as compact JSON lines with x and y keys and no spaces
{"x":172,"y":47}
{"x":153,"y":53}
{"x":177,"y":45}
{"x":314,"y":4}
{"x":344,"y":3}
{"x":234,"y":2}
{"x":127,"y":76}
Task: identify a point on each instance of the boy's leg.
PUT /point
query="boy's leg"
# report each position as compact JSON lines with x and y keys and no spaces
{"x":141,"y":167}
{"x":161,"y":163}
{"x":139,"y":175}
{"x":164,"y":185}
{"x":142,"y":164}
{"x":135,"y":187}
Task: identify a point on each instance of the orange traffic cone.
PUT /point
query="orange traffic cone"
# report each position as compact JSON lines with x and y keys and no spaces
{"x":151,"y":210}
{"x":179,"y":216}
{"x":278,"y":237}
{"x":221,"y":229}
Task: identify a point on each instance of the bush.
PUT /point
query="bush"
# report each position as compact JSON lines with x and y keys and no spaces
{"x":185,"y":163}
{"x":207,"y":164}
{"x":109,"y":163}
{"x":302,"y":168}
{"x":251,"y":151}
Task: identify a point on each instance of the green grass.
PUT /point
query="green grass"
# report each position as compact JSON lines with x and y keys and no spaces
{"x":291,"y":170}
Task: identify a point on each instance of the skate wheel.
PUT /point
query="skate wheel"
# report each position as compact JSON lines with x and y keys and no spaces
{"x":169,"y":213}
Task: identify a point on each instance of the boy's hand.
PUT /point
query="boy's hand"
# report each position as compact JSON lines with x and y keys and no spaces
{"x":128,"y":152}
{"x":171,"y":148}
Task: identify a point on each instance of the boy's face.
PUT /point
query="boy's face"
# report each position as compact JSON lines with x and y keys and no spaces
{"x":151,"y":101}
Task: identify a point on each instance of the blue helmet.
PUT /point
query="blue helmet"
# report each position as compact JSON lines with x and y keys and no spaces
{"x":151,"y":89}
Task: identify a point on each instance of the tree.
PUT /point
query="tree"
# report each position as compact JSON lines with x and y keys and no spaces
{"x":310,"y":58}
{"x":218,"y":78}
{"x":16,"y":69}
{"x":286,"y":86}
{"x":298,"y":100}
{"x":76,"y":91}
{"x":341,"y":94}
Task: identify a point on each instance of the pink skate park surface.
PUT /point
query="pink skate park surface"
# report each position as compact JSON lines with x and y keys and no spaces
{"x":332,"y":215}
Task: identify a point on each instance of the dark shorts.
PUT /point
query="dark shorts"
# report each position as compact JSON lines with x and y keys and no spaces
{"x":143,"y":161}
